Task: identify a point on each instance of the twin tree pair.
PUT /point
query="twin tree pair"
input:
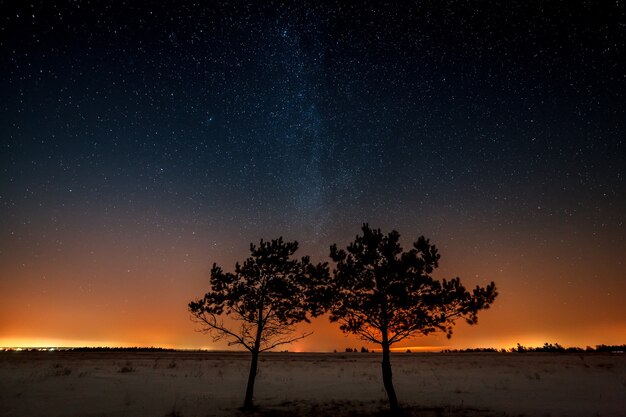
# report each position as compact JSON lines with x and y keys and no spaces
{"x":376,"y":291}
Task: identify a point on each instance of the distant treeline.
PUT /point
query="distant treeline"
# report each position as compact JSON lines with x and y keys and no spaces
{"x":354,"y":350}
{"x":93,"y":349}
{"x":121,"y":349}
{"x":547,"y":347}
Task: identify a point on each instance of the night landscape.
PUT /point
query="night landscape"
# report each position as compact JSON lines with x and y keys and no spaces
{"x":307,"y":208}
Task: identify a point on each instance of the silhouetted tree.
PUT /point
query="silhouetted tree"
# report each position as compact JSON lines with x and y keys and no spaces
{"x":385,"y":295}
{"x":267,"y":295}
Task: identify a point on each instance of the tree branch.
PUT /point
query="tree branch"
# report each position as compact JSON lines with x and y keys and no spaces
{"x":213,"y":325}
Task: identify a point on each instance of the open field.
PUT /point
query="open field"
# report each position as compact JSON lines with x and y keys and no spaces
{"x":90,"y":384}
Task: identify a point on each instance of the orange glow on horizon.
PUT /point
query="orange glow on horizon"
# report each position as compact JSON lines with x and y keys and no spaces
{"x":417,"y":348}
{"x":10,"y":342}
{"x":70,"y":300}
{"x":299,"y":347}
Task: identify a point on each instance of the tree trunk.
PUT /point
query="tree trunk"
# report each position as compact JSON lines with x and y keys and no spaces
{"x":387,"y":381}
{"x":248,"y":403}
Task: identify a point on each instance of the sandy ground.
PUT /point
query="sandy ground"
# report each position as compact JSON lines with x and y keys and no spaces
{"x":177,"y":384}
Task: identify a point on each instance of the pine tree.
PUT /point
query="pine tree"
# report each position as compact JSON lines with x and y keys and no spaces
{"x":385,"y":295}
{"x":267,"y":295}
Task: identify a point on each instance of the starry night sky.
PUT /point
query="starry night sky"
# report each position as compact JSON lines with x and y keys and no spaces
{"x":142,"y":142}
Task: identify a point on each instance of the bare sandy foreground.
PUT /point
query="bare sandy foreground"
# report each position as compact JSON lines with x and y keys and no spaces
{"x":289,"y":384}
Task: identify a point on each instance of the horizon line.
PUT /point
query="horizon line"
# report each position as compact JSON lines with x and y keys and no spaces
{"x":407,"y":349}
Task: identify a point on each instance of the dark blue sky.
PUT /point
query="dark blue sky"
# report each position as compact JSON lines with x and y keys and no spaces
{"x":179,"y":132}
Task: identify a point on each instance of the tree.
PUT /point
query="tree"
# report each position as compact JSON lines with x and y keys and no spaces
{"x":385,"y":295}
{"x":268,"y":295}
